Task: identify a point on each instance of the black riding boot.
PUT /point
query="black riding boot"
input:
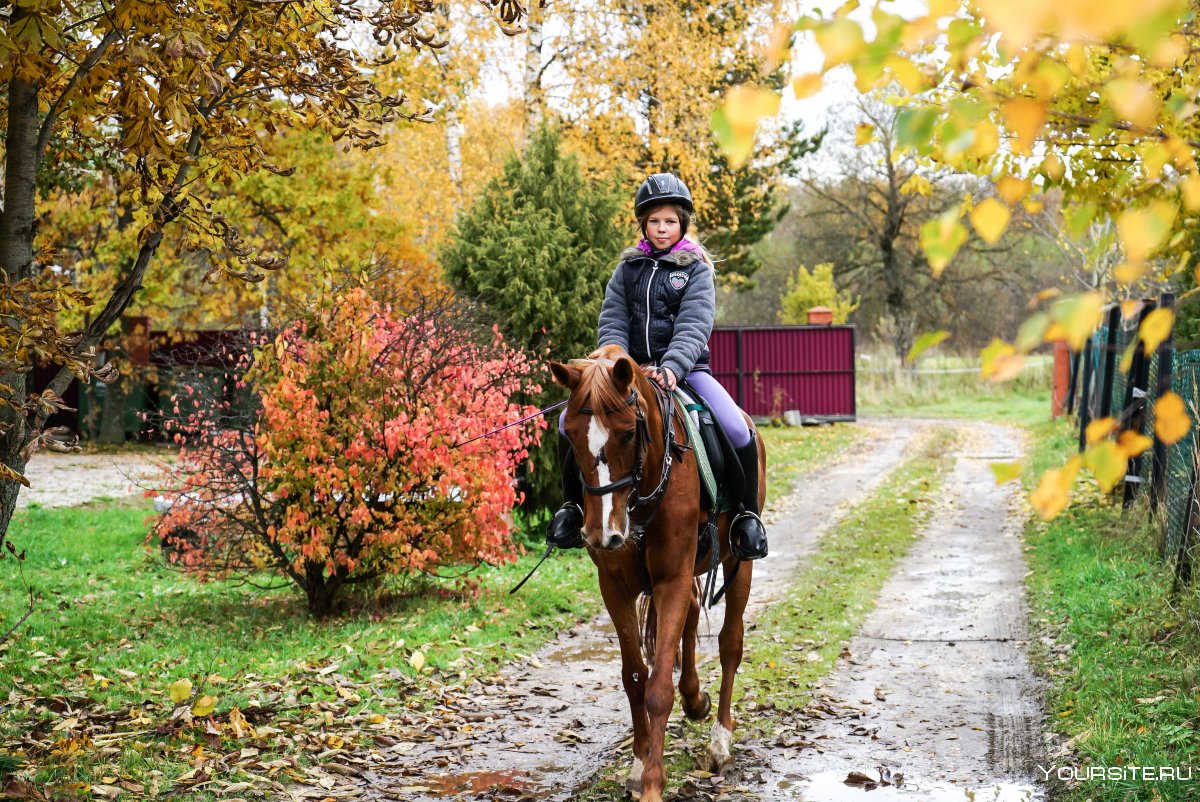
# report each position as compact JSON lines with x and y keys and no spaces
{"x":566,"y":527}
{"x":747,"y":535}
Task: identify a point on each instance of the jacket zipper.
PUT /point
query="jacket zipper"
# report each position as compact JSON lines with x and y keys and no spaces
{"x":649,"y":284}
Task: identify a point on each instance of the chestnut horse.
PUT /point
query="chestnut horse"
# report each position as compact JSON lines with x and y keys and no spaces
{"x":637,"y":537}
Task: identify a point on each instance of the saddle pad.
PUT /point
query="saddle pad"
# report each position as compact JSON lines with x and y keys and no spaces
{"x":691,"y":423}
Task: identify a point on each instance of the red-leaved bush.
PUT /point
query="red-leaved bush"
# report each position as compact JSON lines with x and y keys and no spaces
{"x":347,"y":465}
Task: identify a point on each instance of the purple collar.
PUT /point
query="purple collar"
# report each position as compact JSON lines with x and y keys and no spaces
{"x":683,"y":245}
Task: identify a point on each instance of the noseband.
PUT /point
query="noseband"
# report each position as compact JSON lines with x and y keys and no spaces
{"x":642,"y":444}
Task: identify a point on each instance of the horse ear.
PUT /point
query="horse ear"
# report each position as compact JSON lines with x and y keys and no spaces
{"x":565,"y":375}
{"x":622,"y":373}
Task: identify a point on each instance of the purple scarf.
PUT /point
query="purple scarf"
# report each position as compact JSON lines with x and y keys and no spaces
{"x":683,"y":245}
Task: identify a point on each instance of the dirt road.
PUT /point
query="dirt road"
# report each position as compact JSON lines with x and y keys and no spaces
{"x":936,"y":685}
{"x":67,"y":480}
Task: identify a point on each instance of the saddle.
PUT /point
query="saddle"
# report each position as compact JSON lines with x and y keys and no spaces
{"x":720,"y":471}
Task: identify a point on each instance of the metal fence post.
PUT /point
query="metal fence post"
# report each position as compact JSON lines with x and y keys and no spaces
{"x":1166,"y":358}
{"x":1085,"y":393}
{"x":1073,"y":381}
{"x":1133,"y":409}
{"x":1110,"y":360}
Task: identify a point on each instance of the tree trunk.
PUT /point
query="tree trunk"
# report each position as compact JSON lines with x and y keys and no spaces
{"x":454,"y":130}
{"x":17,"y":226}
{"x":531,"y":81}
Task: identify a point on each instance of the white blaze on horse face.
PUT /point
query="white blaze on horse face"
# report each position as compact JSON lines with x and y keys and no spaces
{"x":720,"y":744}
{"x":597,"y":438}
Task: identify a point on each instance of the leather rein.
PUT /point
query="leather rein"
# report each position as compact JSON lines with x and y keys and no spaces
{"x":636,"y":500}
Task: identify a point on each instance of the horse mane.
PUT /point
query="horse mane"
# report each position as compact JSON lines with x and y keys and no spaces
{"x":597,"y":390}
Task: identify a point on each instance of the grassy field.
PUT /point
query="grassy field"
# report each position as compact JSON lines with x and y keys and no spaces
{"x":88,"y":677}
{"x":1121,"y":651}
{"x":1024,"y":400}
{"x":796,"y":641}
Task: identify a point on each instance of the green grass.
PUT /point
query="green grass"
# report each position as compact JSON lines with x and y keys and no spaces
{"x":114,"y":627}
{"x":796,"y":640}
{"x":1121,"y":652}
{"x":794,"y":450}
{"x":1024,"y":399}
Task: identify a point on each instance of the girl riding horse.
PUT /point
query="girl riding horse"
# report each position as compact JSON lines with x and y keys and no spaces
{"x":659,"y":307}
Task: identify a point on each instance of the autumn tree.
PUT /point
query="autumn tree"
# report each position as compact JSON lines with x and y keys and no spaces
{"x":809,"y":288}
{"x":186,"y":98}
{"x":1094,"y":100}
{"x":637,"y":92}
{"x":537,"y":249}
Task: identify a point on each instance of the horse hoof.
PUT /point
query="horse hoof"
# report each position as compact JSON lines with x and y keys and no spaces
{"x":633,"y":783}
{"x":702,"y":712}
{"x":719,"y":756}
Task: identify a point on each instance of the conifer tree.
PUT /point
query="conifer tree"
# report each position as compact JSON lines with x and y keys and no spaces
{"x":536,"y":250}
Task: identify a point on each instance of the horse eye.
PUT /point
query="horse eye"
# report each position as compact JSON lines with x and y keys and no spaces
{"x":627,"y":437}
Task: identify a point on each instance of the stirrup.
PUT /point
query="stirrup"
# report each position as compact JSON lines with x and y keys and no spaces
{"x":566,"y":527}
{"x":752,"y":545}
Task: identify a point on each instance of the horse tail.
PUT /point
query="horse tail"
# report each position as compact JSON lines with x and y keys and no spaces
{"x":648,"y":623}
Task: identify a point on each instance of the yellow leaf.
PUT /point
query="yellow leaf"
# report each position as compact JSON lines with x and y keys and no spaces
{"x":1005,"y":471}
{"x":1134,"y":100}
{"x":864,"y":134}
{"x":1032,"y":206}
{"x":907,"y":74}
{"x":1079,"y":316}
{"x":1171,"y":51}
{"x":1049,"y":499}
{"x":923,"y":343}
{"x":1133,"y":443}
{"x":916,"y":184}
{"x":239,"y":726}
{"x":1171,"y":421}
{"x":1191,"y":192}
{"x":841,"y":41}
{"x":986,"y":140}
{"x":989,"y":220}
{"x":807,"y":85}
{"x":1156,"y":327}
{"x":1130,"y":308}
{"x":996,"y":349}
{"x":1018,"y":21}
{"x":1107,"y":463}
{"x":1025,"y":116}
{"x":1099,"y":429}
{"x":941,"y":239}
{"x":1007,"y":366}
{"x":417,"y":661}
{"x":204,"y":705}
{"x":736,"y":122}
{"x":1012,"y":189}
{"x":1049,"y":292}
{"x":1142,"y":231}
{"x":181,"y":691}
{"x":1053,"y":167}
{"x":1129,"y":272}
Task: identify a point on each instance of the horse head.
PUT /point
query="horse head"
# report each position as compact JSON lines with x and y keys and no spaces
{"x":610,"y":399}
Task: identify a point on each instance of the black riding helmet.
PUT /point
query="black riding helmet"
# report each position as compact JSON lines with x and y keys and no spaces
{"x":662,"y":188}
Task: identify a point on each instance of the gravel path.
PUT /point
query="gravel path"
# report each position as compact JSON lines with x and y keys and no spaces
{"x":936,"y":686}
{"x":67,"y":480}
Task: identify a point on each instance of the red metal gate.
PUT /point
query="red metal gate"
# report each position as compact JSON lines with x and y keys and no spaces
{"x":771,"y":370}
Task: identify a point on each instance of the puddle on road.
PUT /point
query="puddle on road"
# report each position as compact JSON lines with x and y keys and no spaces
{"x":479,"y":782}
{"x":830,"y":787}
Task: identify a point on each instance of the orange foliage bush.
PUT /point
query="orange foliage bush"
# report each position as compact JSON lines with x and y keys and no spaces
{"x":348,"y":466}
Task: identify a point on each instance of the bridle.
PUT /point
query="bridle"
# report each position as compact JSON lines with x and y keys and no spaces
{"x":636,"y":500}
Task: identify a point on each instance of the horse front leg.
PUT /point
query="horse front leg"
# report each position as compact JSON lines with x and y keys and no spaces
{"x":621,"y":602}
{"x":720,"y":742}
{"x":672,"y":598}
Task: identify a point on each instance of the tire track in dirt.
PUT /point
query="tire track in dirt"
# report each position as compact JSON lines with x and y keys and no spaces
{"x":547,"y":724}
{"x":937,"y":684}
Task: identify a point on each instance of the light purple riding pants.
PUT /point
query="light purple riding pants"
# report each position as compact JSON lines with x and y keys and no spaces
{"x":728,"y":415}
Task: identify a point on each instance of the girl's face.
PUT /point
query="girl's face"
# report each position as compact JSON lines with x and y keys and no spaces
{"x":663,"y":228}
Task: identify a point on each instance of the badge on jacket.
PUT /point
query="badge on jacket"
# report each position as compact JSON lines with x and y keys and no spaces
{"x":679,"y":279}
